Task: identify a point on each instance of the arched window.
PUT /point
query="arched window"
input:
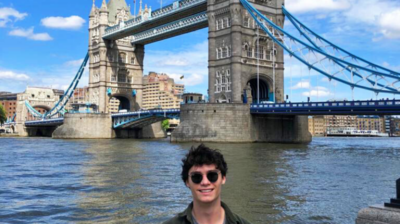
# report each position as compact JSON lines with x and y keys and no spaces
{"x":122,"y":58}
{"x":246,"y":22}
{"x":224,"y":23}
{"x":113,"y":77}
{"x":220,"y":53}
{"x":122,"y":77}
{"x":224,"y":52}
{"x":218,"y":24}
{"x":250,"y":52}
{"x":260,"y":53}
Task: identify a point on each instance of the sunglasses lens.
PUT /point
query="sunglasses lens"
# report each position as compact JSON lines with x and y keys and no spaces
{"x":212,"y":176}
{"x":197,"y":178}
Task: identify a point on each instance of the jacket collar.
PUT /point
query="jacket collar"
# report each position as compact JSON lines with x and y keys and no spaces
{"x":230,"y":218}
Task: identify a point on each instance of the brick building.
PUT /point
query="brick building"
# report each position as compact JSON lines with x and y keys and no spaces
{"x":9,"y":102}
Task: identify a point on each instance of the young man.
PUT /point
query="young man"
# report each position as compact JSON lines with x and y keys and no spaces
{"x":204,"y":172}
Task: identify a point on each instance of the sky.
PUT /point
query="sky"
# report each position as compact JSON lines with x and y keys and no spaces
{"x":44,"y":41}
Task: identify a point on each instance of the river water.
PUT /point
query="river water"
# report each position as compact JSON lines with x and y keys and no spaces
{"x":44,"y":180}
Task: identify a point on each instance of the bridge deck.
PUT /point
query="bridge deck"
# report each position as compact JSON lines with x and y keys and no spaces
{"x":382,"y":107}
{"x":170,"y":13}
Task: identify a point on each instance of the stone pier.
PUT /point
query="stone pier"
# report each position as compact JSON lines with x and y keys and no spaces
{"x":85,"y":126}
{"x":234,"y":123}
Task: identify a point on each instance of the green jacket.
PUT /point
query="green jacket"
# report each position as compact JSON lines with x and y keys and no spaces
{"x":185,"y":217}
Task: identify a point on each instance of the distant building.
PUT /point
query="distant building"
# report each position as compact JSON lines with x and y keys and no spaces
{"x":192,"y":97}
{"x":395,"y":125}
{"x":41,"y":99}
{"x":9,"y":102}
{"x":78,"y":98}
{"x":316,"y":125}
{"x":340,"y":121}
{"x":160,"y":91}
{"x":323,"y":125}
{"x":371,"y":123}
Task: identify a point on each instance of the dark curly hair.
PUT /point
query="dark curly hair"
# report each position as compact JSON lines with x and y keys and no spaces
{"x":203,"y":155}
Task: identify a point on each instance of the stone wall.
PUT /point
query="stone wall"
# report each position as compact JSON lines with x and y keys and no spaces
{"x":378,"y":214}
{"x":213,"y":123}
{"x":234,"y":123}
{"x":85,"y":126}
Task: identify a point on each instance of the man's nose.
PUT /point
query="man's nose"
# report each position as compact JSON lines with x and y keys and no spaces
{"x":205,"y":180}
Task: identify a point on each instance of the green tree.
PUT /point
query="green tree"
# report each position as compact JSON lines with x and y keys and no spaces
{"x":3,"y":116}
{"x":165,"y":124}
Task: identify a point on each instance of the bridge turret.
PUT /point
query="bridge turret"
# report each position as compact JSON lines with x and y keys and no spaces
{"x":235,"y":52}
{"x":116,"y":67}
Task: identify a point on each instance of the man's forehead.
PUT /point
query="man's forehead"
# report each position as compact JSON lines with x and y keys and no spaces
{"x":203,"y":167}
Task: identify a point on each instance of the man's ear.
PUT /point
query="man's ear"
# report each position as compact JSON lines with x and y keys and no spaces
{"x":187,"y":183}
{"x":223,"y":180}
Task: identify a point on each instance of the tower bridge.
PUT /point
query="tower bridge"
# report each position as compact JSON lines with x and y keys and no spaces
{"x":246,"y":46}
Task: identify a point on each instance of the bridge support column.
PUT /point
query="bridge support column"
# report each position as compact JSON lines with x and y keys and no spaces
{"x":234,"y":123}
{"x":85,"y":126}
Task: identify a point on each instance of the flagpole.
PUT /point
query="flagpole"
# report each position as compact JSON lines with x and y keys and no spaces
{"x":134,"y":6}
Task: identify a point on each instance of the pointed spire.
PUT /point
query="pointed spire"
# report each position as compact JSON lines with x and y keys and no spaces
{"x":93,"y":9}
{"x":104,"y":6}
{"x":140,"y":8}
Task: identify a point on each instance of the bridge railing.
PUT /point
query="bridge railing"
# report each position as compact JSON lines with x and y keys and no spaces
{"x":156,"y":14}
{"x":45,"y":122}
{"x":372,"y":103}
{"x":169,"y":27}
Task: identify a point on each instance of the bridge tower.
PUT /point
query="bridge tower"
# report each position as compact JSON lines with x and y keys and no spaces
{"x":233,"y":62}
{"x":115,"y":67}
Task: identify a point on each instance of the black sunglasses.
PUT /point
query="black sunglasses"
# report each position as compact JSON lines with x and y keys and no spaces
{"x":197,"y":177}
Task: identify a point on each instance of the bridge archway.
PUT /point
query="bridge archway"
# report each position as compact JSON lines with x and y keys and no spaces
{"x":266,"y":89}
{"x":117,"y":103}
{"x":39,"y":108}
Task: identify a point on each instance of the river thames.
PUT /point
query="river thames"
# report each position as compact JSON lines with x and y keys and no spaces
{"x":44,"y":180}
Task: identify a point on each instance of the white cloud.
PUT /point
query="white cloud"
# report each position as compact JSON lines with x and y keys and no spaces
{"x":302,"y":6}
{"x":390,"y":27}
{"x":9,"y":14}
{"x":190,"y":80}
{"x":191,"y":62}
{"x":318,"y":91}
{"x":74,"y":63}
{"x":28,"y":33}
{"x":67,"y":23}
{"x":302,"y":85}
{"x":10,"y":75}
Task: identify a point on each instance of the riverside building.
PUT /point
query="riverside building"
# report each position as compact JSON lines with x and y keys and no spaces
{"x":160,"y":91}
{"x":9,"y":102}
{"x":328,"y":124}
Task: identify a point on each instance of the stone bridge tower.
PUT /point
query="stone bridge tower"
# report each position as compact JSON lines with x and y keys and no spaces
{"x":115,"y":67}
{"x":233,"y":52}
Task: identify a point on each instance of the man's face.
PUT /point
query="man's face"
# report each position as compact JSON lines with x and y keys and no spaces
{"x":205,"y":191}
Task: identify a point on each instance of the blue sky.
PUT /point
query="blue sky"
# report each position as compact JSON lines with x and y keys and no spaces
{"x":44,"y":41}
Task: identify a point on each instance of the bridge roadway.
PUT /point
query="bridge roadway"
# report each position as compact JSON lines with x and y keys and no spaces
{"x":139,"y":119}
{"x":175,"y":19}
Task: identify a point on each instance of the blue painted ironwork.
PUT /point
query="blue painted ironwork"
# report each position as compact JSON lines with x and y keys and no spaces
{"x":156,"y":15}
{"x":377,"y":107}
{"x":137,"y":118}
{"x":312,"y":35}
{"x":185,"y":23}
{"x":384,"y":82}
{"x":45,"y":122}
{"x":59,"y":107}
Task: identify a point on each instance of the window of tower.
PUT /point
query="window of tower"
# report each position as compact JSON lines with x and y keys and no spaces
{"x":122,"y":58}
{"x":121,"y":77}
